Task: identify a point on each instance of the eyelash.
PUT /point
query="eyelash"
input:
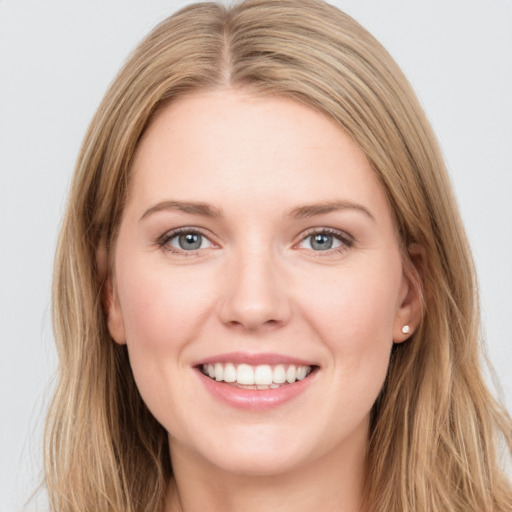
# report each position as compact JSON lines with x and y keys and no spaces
{"x":163,"y":241}
{"x":345,"y":239}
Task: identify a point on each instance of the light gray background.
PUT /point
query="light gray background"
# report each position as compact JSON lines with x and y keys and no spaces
{"x":57,"y":59}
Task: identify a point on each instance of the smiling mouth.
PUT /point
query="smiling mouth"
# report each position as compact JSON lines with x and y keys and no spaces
{"x":258,"y":377}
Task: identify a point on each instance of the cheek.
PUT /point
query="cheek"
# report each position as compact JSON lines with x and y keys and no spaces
{"x":162,"y":309}
{"x":356,"y":304}
{"x":354,"y":313}
{"x":163,"y":313}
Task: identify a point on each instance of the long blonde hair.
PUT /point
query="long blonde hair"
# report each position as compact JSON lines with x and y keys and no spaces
{"x":435,"y":429}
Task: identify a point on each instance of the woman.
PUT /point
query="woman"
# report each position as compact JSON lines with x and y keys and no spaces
{"x":264,"y":297}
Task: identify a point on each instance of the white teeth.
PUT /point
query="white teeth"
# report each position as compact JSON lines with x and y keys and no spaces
{"x":256,"y":377}
{"x":279,"y":374}
{"x":291,"y":374}
{"x":301,"y":372}
{"x":263,"y":375}
{"x":229,"y":373}
{"x":219,"y":371}
{"x":245,"y":374}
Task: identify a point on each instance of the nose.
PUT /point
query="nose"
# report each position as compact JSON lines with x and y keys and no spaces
{"x":255,"y":294}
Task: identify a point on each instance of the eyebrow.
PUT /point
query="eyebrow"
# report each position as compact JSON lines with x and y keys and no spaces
{"x":307,"y":211}
{"x":299,"y":212}
{"x":203,"y":209}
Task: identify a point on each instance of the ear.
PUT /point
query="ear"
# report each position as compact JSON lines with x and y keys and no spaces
{"x":110,"y":301}
{"x":410,"y":310}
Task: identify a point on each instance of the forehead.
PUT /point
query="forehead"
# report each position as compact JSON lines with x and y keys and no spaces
{"x":227,"y":146}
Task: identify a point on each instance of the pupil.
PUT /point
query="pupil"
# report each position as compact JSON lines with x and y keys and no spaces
{"x":322,"y":242}
{"x":190,"y":241}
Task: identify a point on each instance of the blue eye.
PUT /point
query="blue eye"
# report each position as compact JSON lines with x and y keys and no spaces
{"x":324,"y":241}
{"x":190,"y":241}
{"x":321,"y":242}
{"x":187,"y":241}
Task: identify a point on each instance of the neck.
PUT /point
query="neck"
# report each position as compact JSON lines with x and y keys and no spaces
{"x":331,"y":483}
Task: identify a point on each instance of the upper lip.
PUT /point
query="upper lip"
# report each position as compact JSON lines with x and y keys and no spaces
{"x":254,"y":359}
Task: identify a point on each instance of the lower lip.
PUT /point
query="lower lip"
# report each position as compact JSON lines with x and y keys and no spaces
{"x":255,"y":399}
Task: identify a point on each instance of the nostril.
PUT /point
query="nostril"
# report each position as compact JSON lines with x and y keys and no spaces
{"x":253,"y":324}
{"x":254,"y":295}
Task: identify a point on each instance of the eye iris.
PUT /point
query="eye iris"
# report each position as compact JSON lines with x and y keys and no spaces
{"x":190,"y":241}
{"x":321,"y":242}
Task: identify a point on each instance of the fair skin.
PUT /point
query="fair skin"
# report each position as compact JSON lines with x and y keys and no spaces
{"x":287,"y":256}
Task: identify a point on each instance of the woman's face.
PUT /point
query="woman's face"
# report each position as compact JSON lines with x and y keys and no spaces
{"x":257,"y":246}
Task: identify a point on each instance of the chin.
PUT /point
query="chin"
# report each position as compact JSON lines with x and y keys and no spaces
{"x":268,"y":454}
{"x":244,"y":462}
{"x":251,"y":450}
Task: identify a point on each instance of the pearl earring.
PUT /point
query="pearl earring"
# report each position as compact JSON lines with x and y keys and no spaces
{"x":406,"y":329}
